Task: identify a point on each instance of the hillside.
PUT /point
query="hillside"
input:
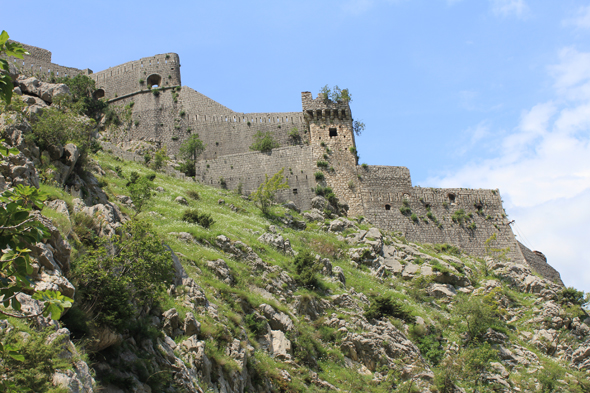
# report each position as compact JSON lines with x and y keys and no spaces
{"x":282,"y":301}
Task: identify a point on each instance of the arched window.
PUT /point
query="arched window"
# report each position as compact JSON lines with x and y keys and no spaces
{"x":451,"y":198}
{"x":387,"y":207}
{"x":99,"y":94}
{"x":154,"y":80}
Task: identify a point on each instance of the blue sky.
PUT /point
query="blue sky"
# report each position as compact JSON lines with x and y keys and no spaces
{"x":465,"y":93}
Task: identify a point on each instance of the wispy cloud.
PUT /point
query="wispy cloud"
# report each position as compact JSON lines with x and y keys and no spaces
{"x":543,"y":168}
{"x":581,"y":20}
{"x":517,"y":8}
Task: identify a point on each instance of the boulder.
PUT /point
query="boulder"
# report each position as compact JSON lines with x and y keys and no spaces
{"x":44,"y":90}
{"x":181,"y":200}
{"x":276,"y":319}
{"x":313,"y":215}
{"x":220,"y":268}
{"x":340,"y":224}
{"x":280,"y":346}
{"x":278,"y":242}
{"x":291,"y":205}
{"x":191,"y":325}
{"x":441,"y":291}
{"x":339,"y":274}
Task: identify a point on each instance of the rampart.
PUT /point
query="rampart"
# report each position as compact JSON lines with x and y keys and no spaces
{"x":172,"y":116}
{"x":320,"y":138}
{"x":249,"y":170}
{"x":38,"y":64}
{"x":143,"y":74}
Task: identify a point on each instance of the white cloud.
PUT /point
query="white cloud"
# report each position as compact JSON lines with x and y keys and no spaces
{"x":542,"y":169}
{"x":581,"y":20}
{"x":510,"y":7}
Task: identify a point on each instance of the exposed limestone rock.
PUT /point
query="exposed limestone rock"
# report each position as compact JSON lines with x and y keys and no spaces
{"x":280,"y":346}
{"x":181,"y":200}
{"x":379,"y":345}
{"x":276,"y":319}
{"x":220,"y":268}
{"x":278,"y":242}
{"x":313,"y":215}
{"x":191,"y":325}
{"x":340,"y":224}
{"x":46,"y":91}
{"x":291,"y":205}
{"x":441,"y":291}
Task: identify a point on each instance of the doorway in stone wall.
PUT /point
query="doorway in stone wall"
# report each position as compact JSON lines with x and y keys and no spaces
{"x":98,"y":94}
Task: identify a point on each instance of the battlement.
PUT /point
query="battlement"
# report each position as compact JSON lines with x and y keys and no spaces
{"x":38,"y":64}
{"x":320,"y":109}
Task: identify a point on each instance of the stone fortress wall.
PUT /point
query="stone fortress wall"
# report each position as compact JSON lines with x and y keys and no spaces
{"x":38,"y":64}
{"x":133,"y":77}
{"x":325,"y":128}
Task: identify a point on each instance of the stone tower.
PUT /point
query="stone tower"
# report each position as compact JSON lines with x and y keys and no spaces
{"x":332,"y":142}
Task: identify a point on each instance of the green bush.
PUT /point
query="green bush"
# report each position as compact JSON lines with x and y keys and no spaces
{"x":33,"y":370}
{"x":414,"y":218}
{"x":387,"y":306}
{"x":193,"y":216}
{"x":572,"y":296}
{"x":319,"y":176}
{"x":125,"y":273}
{"x":322,"y":164}
{"x":264,"y":142}
{"x":307,"y":269}
{"x":475,"y":315}
{"x":192,"y":194}
{"x":254,"y":324}
{"x":429,"y":341}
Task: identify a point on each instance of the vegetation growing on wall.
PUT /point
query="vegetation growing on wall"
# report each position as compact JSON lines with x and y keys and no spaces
{"x":264,"y":142}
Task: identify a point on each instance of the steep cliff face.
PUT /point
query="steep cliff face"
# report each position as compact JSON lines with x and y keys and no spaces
{"x":286,"y":302}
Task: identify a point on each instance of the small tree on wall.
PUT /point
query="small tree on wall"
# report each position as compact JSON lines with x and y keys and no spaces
{"x":264,"y":142}
{"x":190,"y":150}
{"x":267,"y":191}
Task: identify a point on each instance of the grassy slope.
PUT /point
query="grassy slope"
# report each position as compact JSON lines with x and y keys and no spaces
{"x":246,"y":226}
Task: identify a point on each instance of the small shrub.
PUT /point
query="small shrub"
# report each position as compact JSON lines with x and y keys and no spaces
{"x":193,"y":216}
{"x":364,"y":165}
{"x":255,"y":325}
{"x":472,"y":226}
{"x":386,"y":306}
{"x":223,"y":183}
{"x":414,"y":218}
{"x":182,"y":112}
{"x":192,"y":194}
{"x":264,"y":142}
{"x":406,"y":211}
{"x":319,"y":176}
{"x":459,"y":216}
{"x":306,"y":268}
{"x":322,"y":164}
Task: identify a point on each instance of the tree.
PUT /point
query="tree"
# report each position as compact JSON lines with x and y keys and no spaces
{"x":190,"y":150}
{"x":140,"y":190}
{"x":8,"y":49}
{"x":125,"y":273}
{"x":266,"y":193}
{"x":264,"y":142}
{"x":358,"y":127}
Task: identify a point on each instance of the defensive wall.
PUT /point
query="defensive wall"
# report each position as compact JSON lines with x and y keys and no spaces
{"x":320,"y":138}
{"x":38,"y":64}
{"x":143,"y":74}
{"x":171,"y":116}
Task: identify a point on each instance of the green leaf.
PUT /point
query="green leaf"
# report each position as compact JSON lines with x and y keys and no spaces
{"x":16,"y":356}
{"x":3,"y":37}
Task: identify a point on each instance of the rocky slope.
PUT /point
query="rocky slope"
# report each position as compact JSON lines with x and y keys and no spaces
{"x":382,"y":315}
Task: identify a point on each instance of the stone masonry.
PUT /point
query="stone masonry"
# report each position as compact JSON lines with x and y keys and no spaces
{"x":319,"y":138}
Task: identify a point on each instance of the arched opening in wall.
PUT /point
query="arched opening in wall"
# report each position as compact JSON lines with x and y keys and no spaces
{"x":333,"y":132}
{"x":98,"y":94}
{"x":387,"y":207}
{"x":154,"y":80}
{"x":451,"y":197}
